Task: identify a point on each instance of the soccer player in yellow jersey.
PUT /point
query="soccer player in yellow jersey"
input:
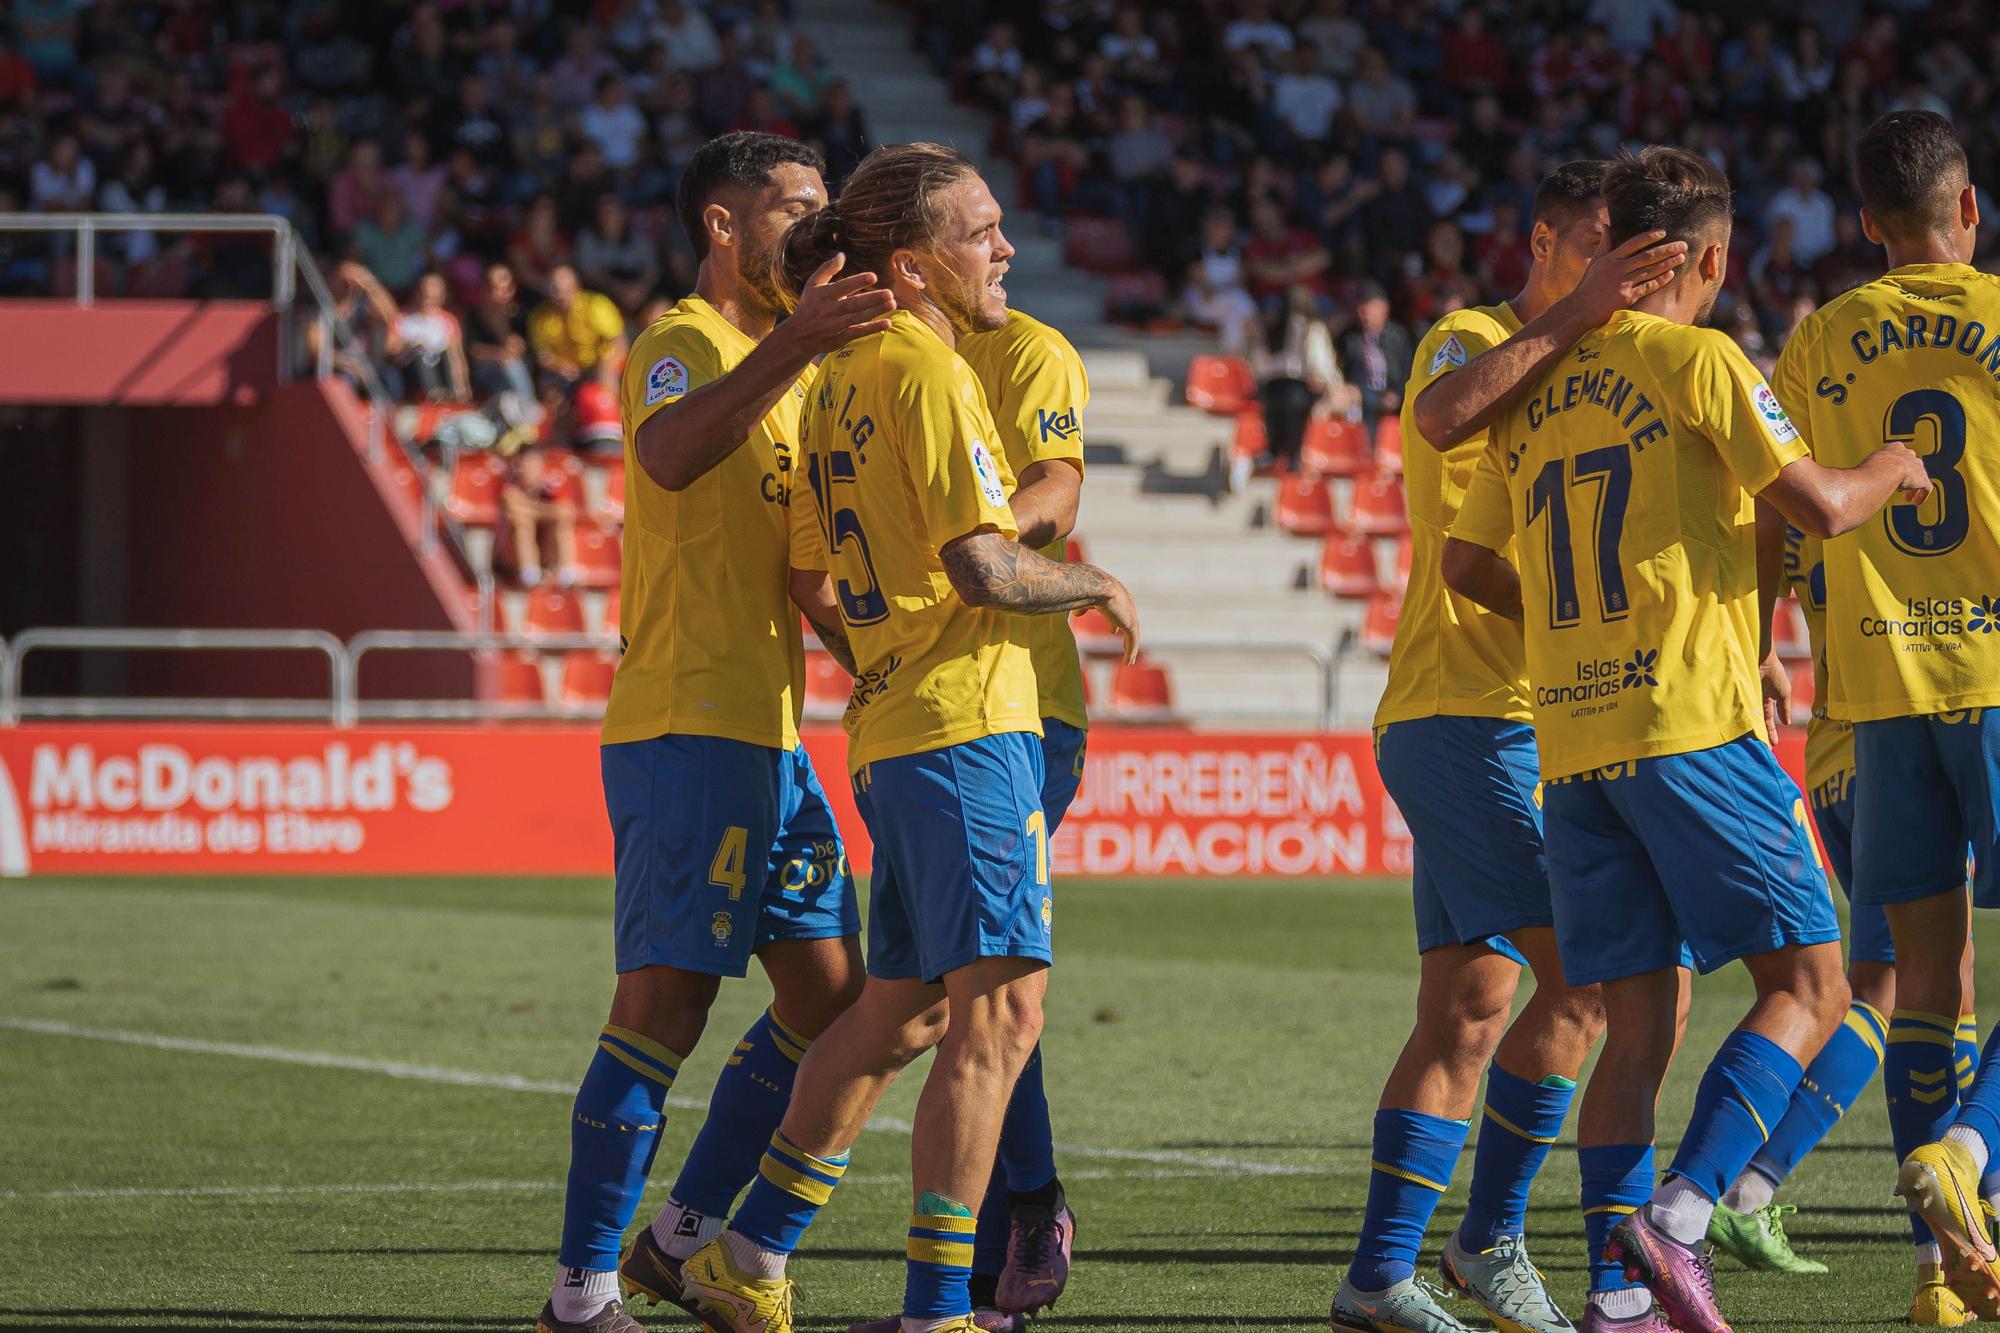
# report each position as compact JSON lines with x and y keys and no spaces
{"x":1457,"y":754}
{"x":909,"y":510}
{"x":1623,"y":481}
{"x":1912,"y":358}
{"x":725,"y":845}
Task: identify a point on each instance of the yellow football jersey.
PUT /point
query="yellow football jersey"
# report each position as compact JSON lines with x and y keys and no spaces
{"x":1037,"y":390}
{"x":1911,"y":612}
{"x":898,"y":459}
{"x":1451,"y":656}
{"x":1829,"y":741}
{"x":1626,"y":474}
{"x":711,"y":641}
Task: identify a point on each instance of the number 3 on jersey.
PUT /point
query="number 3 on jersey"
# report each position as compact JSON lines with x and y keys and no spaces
{"x":841,"y":526}
{"x":1946,"y":416}
{"x":1609,"y":472}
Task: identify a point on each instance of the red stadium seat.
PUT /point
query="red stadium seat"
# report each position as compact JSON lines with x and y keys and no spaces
{"x":827,"y":686}
{"x":1220,"y":384}
{"x":1097,"y":245}
{"x":1378,"y":631}
{"x":608,"y":618}
{"x":1095,"y":635}
{"x":594,"y":415}
{"x":598,"y":555}
{"x":1337,"y":448}
{"x":1134,"y":298}
{"x":614,"y":491}
{"x":517,"y":679}
{"x":1073,"y":551}
{"x":1305,"y":506}
{"x":1788,"y":631}
{"x":1389,"y":444}
{"x":1347,"y":566}
{"x":565,"y":472}
{"x":475,"y":490}
{"x":1250,"y":440}
{"x":551,"y":611}
{"x":1377,"y":508}
{"x":1142,"y":692}
{"x":587,"y":677}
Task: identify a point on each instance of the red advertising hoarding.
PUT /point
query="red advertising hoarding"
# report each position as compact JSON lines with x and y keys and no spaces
{"x":524,"y":799}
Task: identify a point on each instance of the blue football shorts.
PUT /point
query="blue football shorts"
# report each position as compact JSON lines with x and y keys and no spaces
{"x":721,"y":847}
{"x":1701,"y":856}
{"x":1466,"y":790}
{"x":1062,"y":768}
{"x":1867,"y":923}
{"x":1925,"y":788}
{"x":961,"y":857}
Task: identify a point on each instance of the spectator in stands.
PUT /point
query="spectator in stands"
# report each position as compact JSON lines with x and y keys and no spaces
{"x":420,"y":181}
{"x":369,"y":314}
{"x":574,"y":77}
{"x":1395,"y":216}
{"x":614,"y":259}
{"x":352,"y":193}
{"x":539,"y":518}
{"x":1054,"y":154}
{"x":1305,"y":99}
{"x":390,"y":244}
{"x":135,"y":189}
{"x":1256,"y":30}
{"x":1383,"y":104}
{"x":576,"y":334}
{"x":997,"y":63}
{"x":1634,"y":24}
{"x":17,"y":76}
{"x":1809,"y":210}
{"x":257,"y":128}
{"x":689,"y":38}
{"x":46,"y":32}
{"x":112,"y":117}
{"x":539,"y":247}
{"x":800,"y":80}
{"x":1298,"y":379}
{"x":64,"y":181}
{"x":1281,"y":255}
{"x":726,"y":88}
{"x":432,"y":352}
{"x":613,"y":123}
{"x":1216,"y":295}
{"x":496,"y":338}
{"x":1377,"y":352}
{"x":1133,"y":53}
{"x":1475,"y":60}
{"x":842,"y":132}
{"x":1442,"y":285}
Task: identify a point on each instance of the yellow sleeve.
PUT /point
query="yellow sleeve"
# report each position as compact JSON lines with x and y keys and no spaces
{"x":950,"y":443}
{"x":544,"y":327}
{"x":1043,"y":415}
{"x":1734,"y":409}
{"x":669,"y":362}
{"x":805,"y":537}
{"x":1791,"y":381}
{"x":1450,"y":344}
{"x":1486,"y":515}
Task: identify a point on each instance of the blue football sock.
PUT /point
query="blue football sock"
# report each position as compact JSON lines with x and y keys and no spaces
{"x":791,"y":1187}
{"x":996,"y":1223}
{"x":1917,"y":1080}
{"x":937,"y":1282}
{"x":1744,"y":1092}
{"x":1965,"y":1051}
{"x":1617,"y":1181}
{"x":748,"y":1103}
{"x":1027,"y":1141}
{"x":1830,"y":1085}
{"x":1979,"y":1109}
{"x":1523,"y":1120}
{"x":614,"y":1130}
{"x":1414,"y":1157}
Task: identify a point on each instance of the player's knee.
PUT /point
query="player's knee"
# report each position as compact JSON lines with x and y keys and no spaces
{"x":1581,"y":1008}
{"x":1469,"y":1026}
{"x":666,"y":1004}
{"x":1873,"y":984}
{"x":918,"y":1035}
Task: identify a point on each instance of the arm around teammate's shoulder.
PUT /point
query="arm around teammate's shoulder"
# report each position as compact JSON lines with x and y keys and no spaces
{"x":1827,"y":501}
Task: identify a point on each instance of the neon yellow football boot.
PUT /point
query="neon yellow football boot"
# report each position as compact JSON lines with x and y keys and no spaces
{"x":1940,"y":1183}
{"x":1936,"y":1305}
{"x":729,"y":1300}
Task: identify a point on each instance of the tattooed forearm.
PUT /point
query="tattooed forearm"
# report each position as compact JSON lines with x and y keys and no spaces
{"x":988,"y":569}
{"x":833,"y":638}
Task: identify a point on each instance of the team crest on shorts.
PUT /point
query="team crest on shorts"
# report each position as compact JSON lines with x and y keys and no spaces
{"x":722,"y":926}
{"x":1048,"y":915}
{"x":666,"y":381}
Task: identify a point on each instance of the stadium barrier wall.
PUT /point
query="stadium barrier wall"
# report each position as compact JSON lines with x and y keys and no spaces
{"x":524,"y":799}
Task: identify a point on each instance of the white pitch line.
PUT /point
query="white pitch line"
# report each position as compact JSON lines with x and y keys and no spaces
{"x":468,"y":1078}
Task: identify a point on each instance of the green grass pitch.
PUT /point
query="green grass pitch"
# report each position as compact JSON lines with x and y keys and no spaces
{"x":224,"y":1149}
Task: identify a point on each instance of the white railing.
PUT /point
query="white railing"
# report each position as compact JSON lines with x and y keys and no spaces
{"x":343,"y":704}
{"x":290,"y":261}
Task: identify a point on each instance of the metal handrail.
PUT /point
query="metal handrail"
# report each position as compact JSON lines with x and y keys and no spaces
{"x":1325,"y":660}
{"x":374,"y":641}
{"x":336,"y":707}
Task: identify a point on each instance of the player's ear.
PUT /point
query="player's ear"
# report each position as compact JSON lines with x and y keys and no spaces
{"x":904,"y":264}
{"x":1541,"y":241}
{"x":721,"y":227}
{"x":1968,"y":207}
{"x":1873,"y":232}
{"x":1714,"y":261}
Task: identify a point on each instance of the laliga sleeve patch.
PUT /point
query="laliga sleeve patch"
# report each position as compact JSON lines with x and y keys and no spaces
{"x":1773,"y":413}
{"x":1451,"y":353}
{"x":988,"y":473}
{"x":666,"y":381}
